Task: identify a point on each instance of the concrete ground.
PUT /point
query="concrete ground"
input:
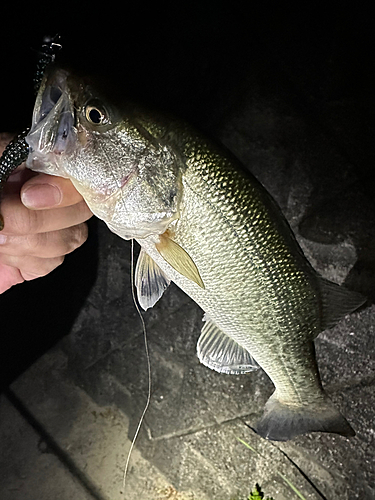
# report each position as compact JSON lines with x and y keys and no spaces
{"x":67,"y":420}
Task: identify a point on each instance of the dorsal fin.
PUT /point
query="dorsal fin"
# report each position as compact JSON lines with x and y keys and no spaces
{"x":150,"y":281}
{"x":337,"y":301}
{"x":221,"y":353}
{"x":179,"y":259}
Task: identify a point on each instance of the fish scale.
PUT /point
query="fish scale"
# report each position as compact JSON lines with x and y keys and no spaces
{"x":240,"y":276}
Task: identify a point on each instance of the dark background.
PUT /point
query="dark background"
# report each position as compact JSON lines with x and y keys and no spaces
{"x":192,"y":59}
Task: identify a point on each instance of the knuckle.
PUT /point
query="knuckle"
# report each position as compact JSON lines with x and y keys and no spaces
{"x":84,"y":211}
{"x":22,"y":221}
{"x":55,"y":243}
{"x":52,"y":264}
{"x":75,"y":237}
{"x":33,"y":243}
{"x":83,"y":233}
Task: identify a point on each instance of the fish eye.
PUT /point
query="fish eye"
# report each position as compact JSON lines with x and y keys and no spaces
{"x":96,"y":114}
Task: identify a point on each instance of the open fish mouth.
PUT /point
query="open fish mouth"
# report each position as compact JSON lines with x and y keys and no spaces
{"x":53,"y":129}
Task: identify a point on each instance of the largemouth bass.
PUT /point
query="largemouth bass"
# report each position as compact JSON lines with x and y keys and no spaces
{"x":206,"y":224}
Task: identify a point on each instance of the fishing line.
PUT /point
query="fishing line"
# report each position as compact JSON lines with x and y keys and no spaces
{"x":148,"y":370}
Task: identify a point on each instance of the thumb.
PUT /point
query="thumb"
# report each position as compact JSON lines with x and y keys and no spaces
{"x":48,"y":191}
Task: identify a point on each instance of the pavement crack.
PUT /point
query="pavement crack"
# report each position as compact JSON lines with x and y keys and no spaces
{"x":194,"y":430}
{"x":303,"y":474}
{"x":293,"y":463}
{"x":176,"y":434}
{"x":100,"y":358}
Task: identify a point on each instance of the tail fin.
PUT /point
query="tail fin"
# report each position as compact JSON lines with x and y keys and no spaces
{"x":281,"y":422}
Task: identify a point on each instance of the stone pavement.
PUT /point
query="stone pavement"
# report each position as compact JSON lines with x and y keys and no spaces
{"x":67,"y":421}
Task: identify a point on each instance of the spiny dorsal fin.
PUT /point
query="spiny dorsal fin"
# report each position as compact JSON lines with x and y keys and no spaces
{"x":221,"y":353}
{"x":179,"y":259}
{"x":150,"y":281}
{"x":337,"y":301}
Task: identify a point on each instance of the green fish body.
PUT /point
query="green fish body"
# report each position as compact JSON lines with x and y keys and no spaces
{"x":206,"y":224}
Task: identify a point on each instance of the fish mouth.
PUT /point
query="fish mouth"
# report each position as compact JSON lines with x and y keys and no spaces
{"x":53,"y":129}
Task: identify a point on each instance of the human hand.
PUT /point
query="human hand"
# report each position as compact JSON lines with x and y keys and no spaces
{"x":44,"y":219}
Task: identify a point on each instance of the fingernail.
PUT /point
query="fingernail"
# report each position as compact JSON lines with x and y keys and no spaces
{"x":41,"y":196}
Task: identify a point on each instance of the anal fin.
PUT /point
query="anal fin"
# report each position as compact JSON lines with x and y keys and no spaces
{"x":150,"y":281}
{"x":221,"y":353}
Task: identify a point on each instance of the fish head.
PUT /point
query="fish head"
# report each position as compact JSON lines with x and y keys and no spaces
{"x":127,"y":172}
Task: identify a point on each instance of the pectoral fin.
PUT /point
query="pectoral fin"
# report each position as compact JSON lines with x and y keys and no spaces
{"x":179,"y":259}
{"x":221,"y":353}
{"x":150,"y":281}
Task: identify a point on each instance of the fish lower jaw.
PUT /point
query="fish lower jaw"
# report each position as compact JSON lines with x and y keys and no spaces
{"x":45,"y":163}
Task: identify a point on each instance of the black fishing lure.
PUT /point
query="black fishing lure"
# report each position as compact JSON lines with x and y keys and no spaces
{"x":47,"y":55}
{"x":17,"y":150}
